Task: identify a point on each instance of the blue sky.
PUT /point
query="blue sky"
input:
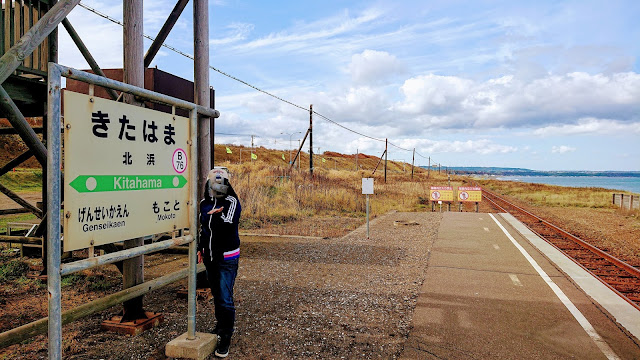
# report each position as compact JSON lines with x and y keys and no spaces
{"x":548,"y":85}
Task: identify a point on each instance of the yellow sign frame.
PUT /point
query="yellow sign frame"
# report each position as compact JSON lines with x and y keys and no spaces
{"x":441,"y":193}
{"x":469,"y":194}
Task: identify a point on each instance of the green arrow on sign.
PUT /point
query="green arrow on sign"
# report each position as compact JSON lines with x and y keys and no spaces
{"x":101,"y":183}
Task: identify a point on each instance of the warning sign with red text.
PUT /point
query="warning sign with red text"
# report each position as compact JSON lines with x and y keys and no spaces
{"x":469,"y":194}
{"x":441,"y":193}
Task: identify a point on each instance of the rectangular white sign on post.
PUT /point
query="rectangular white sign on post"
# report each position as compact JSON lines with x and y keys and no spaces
{"x":367,"y":186}
{"x":126,"y":171}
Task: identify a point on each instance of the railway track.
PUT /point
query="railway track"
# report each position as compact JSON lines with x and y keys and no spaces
{"x":619,"y":276}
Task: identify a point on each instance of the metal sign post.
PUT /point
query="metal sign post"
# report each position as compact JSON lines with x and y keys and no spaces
{"x":470,"y":194}
{"x":53,"y":213}
{"x":183,"y":161}
{"x":367,"y":216}
{"x":367,"y":189}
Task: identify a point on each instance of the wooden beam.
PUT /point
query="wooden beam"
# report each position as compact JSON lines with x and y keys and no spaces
{"x":14,"y":211}
{"x":21,"y":239}
{"x":87,"y":55}
{"x":10,"y":61}
{"x":24,"y":332}
{"x":164,"y":32}
{"x":22,"y":127}
{"x":299,"y":149}
{"x":15,"y":162}
{"x":15,"y":197}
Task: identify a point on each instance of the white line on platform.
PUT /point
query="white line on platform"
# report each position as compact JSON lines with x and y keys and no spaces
{"x":602,"y":345}
{"x":495,"y":246}
{"x":486,"y":229}
{"x":515,"y":279}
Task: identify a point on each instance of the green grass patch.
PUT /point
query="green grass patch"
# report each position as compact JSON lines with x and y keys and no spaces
{"x":30,"y":283}
{"x":23,"y":180}
{"x":14,"y":218}
{"x":13,"y":269}
{"x":72,"y":279}
{"x":99,"y":282}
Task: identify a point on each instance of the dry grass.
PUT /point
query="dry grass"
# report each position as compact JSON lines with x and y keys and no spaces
{"x":555,"y":196}
{"x":271,"y":194}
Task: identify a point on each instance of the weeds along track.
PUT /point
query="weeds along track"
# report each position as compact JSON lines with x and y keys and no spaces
{"x":621,"y":277}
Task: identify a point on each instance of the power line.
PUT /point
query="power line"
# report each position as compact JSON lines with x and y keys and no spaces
{"x":107,"y":17}
{"x":227,"y":134}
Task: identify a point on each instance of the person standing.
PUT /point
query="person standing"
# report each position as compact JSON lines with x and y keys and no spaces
{"x":219,"y":249}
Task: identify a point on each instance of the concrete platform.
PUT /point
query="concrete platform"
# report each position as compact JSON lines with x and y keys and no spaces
{"x":490,"y":294}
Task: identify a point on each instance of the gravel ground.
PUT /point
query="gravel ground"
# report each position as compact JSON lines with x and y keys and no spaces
{"x":347,"y":297}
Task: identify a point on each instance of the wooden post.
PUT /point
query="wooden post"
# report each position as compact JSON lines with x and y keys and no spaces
{"x":133,"y":269}
{"x":386,"y":143}
{"x":311,"y":139}
{"x":201,"y":91}
{"x":429,"y":168}
{"x":412,"y":161}
{"x":201,"y":88}
{"x":357,"y":153}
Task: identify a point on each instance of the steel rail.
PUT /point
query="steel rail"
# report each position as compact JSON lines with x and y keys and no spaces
{"x":606,"y":257}
{"x":629,"y":268}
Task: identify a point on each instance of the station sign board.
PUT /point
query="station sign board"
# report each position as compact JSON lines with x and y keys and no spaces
{"x":367,"y":186}
{"x":469,"y":194}
{"x":126,"y":171}
{"x":441,"y":193}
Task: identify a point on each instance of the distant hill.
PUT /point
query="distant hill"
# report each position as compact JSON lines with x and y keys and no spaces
{"x":527,"y":172}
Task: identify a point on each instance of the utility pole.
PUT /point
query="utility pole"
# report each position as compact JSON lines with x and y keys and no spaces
{"x":300,"y":159}
{"x":429,"y":168}
{"x":386,"y":143}
{"x":252,"y":150}
{"x":412,"y":161}
{"x":133,"y":68}
{"x":311,"y":139}
{"x":357,"y":153}
{"x":206,"y":133}
{"x":439,"y":168}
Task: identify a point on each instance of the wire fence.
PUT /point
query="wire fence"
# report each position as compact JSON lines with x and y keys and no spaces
{"x":189,"y":56}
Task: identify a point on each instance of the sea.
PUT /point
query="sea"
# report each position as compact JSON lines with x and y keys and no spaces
{"x":631,"y":184}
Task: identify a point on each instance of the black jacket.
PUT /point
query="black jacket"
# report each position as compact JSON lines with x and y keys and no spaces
{"x":219,"y":238}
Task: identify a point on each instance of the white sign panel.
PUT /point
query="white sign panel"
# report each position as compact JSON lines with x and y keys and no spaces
{"x":125,"y":171}
{"x":367,"y":186}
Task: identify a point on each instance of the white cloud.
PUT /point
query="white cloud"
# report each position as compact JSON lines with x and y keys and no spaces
{"x":434,"y":94}
{"x":562,"y":149}
{"x":453,"y":102}
{"x":237,"y":32}
{"x":301,"y":35}
{"x":374,"y":67}
{"x":590,"y":126}
{"x":482,"y":147}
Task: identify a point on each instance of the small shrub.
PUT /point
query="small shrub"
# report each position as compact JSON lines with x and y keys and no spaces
{"x":98,"y":282}
{"x":71,"y":279}
{"x":13,"y":269}
{"x":30,"y":283}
